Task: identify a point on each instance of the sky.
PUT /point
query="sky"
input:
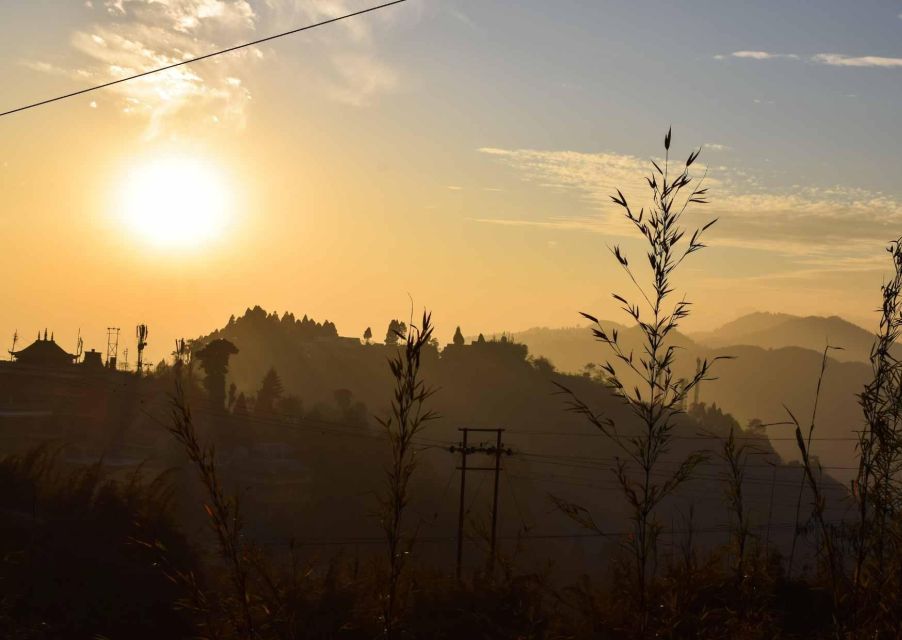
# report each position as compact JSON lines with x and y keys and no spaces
{"x":458,"y":154}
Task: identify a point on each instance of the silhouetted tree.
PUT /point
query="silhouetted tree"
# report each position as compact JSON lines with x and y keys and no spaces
{"x":162,"y":369}
{"x":271,"y":390}
{"x":240,"y":405}
{"x":214,"y":360}
{"x":458,"y":337}
{"x":367,"y":335}
{"x":397,"y":330}
{"x":543,"y":365}
{"x":233,"y":389}
{"x":480,"y":339}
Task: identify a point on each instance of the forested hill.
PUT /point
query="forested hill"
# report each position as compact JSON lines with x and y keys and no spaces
{"x":505,"y":383}
{"x":480,"y":383}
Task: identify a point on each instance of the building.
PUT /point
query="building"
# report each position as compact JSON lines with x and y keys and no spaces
{"x":44,"y":352}
{"x":46,"y":394}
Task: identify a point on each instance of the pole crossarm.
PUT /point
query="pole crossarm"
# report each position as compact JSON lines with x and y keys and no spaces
{"x":465,"y":449}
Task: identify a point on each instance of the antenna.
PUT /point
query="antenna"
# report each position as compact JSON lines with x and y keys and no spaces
{"x":79,"y":346}
{"x":125,"y":364}
{"x":142,"y":332}
{"x":112,"y":346}
{"x":15,"y":340}
{"x":181,"y":351}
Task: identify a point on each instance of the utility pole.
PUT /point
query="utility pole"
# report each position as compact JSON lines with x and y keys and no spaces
{"x":698,"y":384}
{"x":497,"y":453}
{"x":770,"y":507}
{"x":15,"y":340}
{"x":465,"y":449}
{"x":460,"y":511}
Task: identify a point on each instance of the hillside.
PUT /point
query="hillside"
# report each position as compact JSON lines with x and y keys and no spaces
{"x":776,"y":330}
{"x":759,"y":381}
{"x":490,"y":384}
{"x":498,"y":385}
{"x":571,"y":349}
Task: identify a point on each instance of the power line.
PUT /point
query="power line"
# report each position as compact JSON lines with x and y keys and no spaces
{"x":199,"y":58}
{"x":581,"y":434}
{"x":694,"y":477}
{"x":323,"y":427}
{"x":723,"y":528}
{"x":607,"y":461}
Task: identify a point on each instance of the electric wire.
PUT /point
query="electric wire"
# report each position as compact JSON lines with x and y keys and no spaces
{"x":199,"y":58}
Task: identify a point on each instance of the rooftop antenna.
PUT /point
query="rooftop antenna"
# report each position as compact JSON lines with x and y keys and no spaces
{"x":15,"y":340}
{"x":112,"y":346}
{"x":79,"y":346}
{"x":181,"y":351}
{"x":142,"y":332}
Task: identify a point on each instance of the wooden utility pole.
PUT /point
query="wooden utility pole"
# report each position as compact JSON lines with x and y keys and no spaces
{"x":770,"y":506}
{"x":698,"y":384}
{"x":460,"y":512}
{"x":465,"y":449}
{"x":497,"y":453}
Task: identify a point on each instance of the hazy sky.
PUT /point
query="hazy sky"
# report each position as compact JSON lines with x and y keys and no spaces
{"x":459,"y":151}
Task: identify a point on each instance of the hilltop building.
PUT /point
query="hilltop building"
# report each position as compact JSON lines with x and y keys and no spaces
{"x":44,"y":352}
{"x":47,"y":393}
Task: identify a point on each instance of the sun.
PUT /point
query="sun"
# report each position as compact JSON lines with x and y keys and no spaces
{"x":174,"y":203}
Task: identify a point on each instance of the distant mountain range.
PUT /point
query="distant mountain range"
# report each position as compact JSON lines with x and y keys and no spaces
{"x":571,"y":348}
{"x":775,"y":330}
{"x":777,"y":362}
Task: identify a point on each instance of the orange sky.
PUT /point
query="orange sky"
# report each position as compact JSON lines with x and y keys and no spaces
{"x":417,"y":153}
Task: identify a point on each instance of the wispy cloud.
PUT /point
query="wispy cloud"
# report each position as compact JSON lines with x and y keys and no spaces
{"x":460,"y":16}
{"x":125,"y":37}
{"x":836,"y":223}
{"x":762,"y":55}
{"x":354,"y":73}
{"x":839,"y":60}
{"x":831,"y":59}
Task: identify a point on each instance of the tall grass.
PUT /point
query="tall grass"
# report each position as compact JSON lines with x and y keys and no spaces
{"x":223,"y":513}
{"x":70,"y":564}
{"x":877,"y":544}
{"x":735,"y":456}
{"x":409,"y":415}
{"x":658,"y":399}
{"x":863,"y":562}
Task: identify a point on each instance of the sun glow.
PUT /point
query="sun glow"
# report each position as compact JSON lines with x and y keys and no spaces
{"x":174,"y":203}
